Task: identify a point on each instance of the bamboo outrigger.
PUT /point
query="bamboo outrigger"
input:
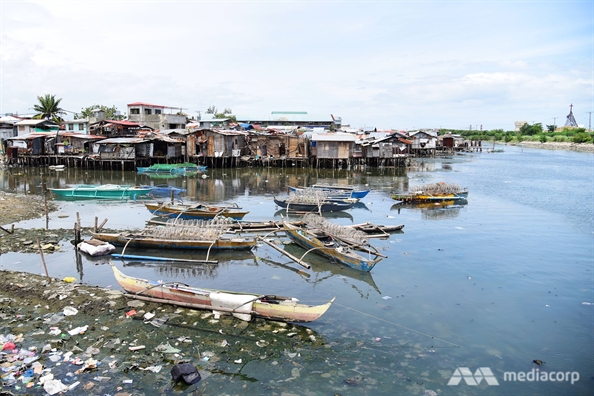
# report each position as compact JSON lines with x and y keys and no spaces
{"x":339,"y":244}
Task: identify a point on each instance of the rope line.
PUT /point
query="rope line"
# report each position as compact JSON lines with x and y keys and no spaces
{"x":403,"y":327}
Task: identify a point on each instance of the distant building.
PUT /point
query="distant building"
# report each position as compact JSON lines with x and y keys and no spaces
{"x":26,"y":127}
{"x":297,"y":118}
{"x":155,"y":116}
{"x":80,"y":126}
{"x":519,"y":124}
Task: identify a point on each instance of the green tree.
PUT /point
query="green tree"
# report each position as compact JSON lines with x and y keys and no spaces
{"x":211,"y":110}
{"x":110,"y":112}
{"x":581,"y":137}
{"x":48,"y":108}
{"x":231,"y":118}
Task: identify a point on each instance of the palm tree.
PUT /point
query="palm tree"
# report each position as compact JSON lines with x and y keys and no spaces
{"x":48,"y":108}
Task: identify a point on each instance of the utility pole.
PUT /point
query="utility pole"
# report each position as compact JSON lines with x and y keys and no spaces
{"x":590,"y":121}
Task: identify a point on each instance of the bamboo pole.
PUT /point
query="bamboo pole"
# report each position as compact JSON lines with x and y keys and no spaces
{"x":49,"y":280}
{"x":289,"y":255}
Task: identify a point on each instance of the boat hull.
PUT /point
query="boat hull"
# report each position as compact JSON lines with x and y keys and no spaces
{"x":337,"y":192}
{"x":240,"y":305}
{"x":107,"y":191}
{"x":140,"y":241}
{"x":326,"y":206}
{"x":200,"y":212}
{"x":350,"y":258}
{"x":430,"y":197}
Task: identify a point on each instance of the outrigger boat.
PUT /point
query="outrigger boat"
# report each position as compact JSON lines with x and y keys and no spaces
{"x":195,"y":211}
{"x":241,"y":305}
{"x":200,"y":235}
{"x":436,"y":192}
{"x":338,"y":243}
{"x":335,"y":191}
{"x":102,"y":191}
{"x":328,"y":205}
{"x":147,"y":241}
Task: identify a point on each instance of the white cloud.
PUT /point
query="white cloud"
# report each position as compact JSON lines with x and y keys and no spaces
{"x":388,"y":64}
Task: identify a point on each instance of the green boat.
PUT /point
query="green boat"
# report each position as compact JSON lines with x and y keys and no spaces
{"x":102,"y":191}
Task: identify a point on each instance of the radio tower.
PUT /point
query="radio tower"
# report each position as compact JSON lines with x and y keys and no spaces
{"x":570,"y":120}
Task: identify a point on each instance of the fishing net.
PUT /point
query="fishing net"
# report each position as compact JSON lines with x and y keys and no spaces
{"x":307,"y":196}
{"x":337,"y":230}
{"x":190,"y":229}
{"x":436,"y":188}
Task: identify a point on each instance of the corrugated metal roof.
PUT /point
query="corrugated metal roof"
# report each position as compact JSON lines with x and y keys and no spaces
{"x":333,"y":137}
{"x":123,"y":140}
{"x":289,"y":117}
{"x":35,"y":122}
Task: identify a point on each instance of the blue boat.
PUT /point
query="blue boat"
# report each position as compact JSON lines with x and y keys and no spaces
{"x":163,"y":190}
{"x":336,"y":192}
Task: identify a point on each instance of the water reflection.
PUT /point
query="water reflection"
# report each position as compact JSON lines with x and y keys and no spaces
{"x":434,"y":210}
{"x":324,"y":269}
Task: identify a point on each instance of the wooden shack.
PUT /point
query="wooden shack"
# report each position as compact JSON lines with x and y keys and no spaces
{"x":223,"y":146}
{"x":332,"y":148}
{"x":424,"y":143}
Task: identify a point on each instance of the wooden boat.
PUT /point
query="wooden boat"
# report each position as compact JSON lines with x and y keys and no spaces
{"x":436,"y":192}
{"x":240,"y":305}
{"x":195,"y":211}
{"x":329,"y":205}
{"x":335,"y":191}
{"x":139,"y":240}
{"x":347,"y":250}
{"x":102,"y":191}
{"x":172,"y":168}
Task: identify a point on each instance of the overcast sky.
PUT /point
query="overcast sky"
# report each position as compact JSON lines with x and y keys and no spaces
{"x":386,"y":64}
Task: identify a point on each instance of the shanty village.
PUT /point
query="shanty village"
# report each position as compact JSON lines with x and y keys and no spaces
{"x":287,"y":254}
{"x":159,"y":134}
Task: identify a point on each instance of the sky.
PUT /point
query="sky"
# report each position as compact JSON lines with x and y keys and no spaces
{"x":386,"y":64}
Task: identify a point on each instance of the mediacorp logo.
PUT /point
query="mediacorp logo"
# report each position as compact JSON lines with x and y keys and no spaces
{"x":481,"y":373}
{"x":535,"y":375}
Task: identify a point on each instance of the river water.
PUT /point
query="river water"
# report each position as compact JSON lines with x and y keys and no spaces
{"x":497,"y":283}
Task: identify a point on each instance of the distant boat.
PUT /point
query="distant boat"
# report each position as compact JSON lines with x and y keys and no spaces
{"x":102,"y":191}
{"x":241,"y":305}
{"x":195,"y":211}
{"x":335,"y":191}
{"x":435,"y":192}
{"x":179,"y":169}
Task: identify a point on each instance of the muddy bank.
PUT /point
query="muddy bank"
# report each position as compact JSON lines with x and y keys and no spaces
{"x":87,"y":340}
{"x":18,"y":207}
{"x":582,"y":147}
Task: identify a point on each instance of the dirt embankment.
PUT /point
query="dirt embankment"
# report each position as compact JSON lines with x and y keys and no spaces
{"x":582,"y":147}
{"x":18,"y":207}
